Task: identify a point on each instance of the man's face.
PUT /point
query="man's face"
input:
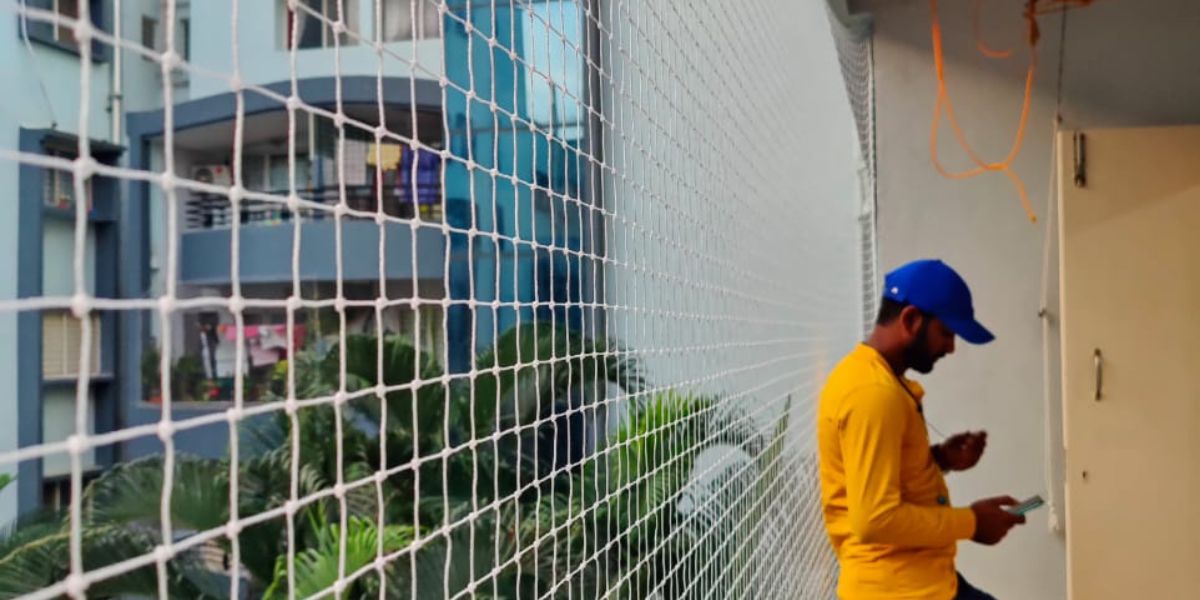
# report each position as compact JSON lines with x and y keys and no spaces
{"x":931,"y":341}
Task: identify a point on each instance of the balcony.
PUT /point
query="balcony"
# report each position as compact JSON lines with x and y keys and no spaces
{"x":267,"y":235}
{"x":211,"y":211}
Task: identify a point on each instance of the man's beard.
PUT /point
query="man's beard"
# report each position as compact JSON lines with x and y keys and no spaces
{"x":917,"y":355}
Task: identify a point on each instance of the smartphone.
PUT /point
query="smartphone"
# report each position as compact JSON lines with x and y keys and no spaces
{"x":1026,"y":506}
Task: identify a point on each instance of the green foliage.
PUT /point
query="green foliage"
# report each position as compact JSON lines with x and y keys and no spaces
{"x":620,"y":520}
{"x":34,"y":555}
{"x":323,"y":564}
{"x":187,"y":379}
{"x":150,"y":370}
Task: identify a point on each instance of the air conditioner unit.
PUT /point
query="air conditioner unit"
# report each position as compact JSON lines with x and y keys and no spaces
{"x":218,"y":175}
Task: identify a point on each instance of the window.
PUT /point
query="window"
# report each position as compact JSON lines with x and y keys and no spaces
{"x":56,"y":491}
{"x":400,"y":16}
{"x":554,"y":71}
{"x":269,"y":172}
{"x":185,"y":39}
{"x":62,"y":335}
{"x":153,"y":38}
{"x":58,"y":187}
{"x":61,"y":34}
{"x":149,"y":34}
{"x":311,"y":25}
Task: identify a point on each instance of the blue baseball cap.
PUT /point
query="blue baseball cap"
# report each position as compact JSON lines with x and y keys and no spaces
{"x":936,"y":289}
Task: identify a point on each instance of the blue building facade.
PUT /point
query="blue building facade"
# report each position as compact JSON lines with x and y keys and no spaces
{"x":39,"y":354}
{"x":265,"y":232}
{"x":504,"y":203}
{"x":491,"y":177}
{"x":519,"y":148}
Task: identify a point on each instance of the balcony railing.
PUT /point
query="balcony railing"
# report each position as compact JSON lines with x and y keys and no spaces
{"x":213,"y":211}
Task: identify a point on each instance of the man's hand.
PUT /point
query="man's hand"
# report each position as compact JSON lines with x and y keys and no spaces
{"x":960,"y":452}
{"x":992,"y":522}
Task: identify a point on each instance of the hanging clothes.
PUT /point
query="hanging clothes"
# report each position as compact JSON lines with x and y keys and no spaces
{"x":428,"y":176}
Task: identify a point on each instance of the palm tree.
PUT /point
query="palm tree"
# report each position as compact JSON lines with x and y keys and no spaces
{"x":121,"y":519}
{"x":638,"y":515}
{"x":532,"y":374}
{"x":523,"y":387}
{"x":680,"y":493}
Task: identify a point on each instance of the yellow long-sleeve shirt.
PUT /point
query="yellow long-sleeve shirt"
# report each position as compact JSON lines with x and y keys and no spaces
{"x":886,"y":506}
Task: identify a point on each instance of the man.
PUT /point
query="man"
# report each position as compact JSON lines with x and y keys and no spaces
{"x":886,"y":506}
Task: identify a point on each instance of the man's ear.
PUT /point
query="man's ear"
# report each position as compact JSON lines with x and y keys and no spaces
{"x":911,"y":318}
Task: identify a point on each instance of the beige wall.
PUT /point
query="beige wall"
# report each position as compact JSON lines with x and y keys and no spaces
{"x":1129,"y":62}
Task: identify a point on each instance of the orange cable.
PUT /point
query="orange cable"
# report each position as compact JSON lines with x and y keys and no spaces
{"x":943,"y":105}
{"x":984,"y":48}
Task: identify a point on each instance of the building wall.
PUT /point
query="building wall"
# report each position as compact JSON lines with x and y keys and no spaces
{"x":58,"y":275}
{"x":144,"y":229}
{"x":510,"y":270}
{"x":59,"y":72}
{"x":741,"y":278}
{"x":264,"y":58}
{"x":799,"y":297}
{"x":1128,"y":62}
{"x":141,"y":77}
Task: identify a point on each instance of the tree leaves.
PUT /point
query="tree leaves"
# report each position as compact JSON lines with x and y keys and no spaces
{"x":615,"y":518}
{"x":320,"y":567}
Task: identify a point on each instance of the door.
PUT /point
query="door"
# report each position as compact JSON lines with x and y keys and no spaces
{"x":1130,"y":235}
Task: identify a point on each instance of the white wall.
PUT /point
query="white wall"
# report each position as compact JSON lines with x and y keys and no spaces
{"x":733,"y":249}
{"x":769,"y":190}
{"x":1128,"y":62}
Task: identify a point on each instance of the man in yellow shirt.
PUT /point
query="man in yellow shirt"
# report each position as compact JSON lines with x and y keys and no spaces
{"x":886,"y":506}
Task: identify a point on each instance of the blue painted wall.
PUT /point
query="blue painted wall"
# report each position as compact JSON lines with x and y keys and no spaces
{"x":267,"y":253}
{"x":28,"y":70}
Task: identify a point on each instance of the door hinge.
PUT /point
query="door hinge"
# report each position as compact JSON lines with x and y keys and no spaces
{"x":1080,"y":143}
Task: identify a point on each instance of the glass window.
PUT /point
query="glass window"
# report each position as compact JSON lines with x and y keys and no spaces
{"x":63,"y":33}
{"x":56,"y":490}
{"x":270,"y":173}
{"x":553,"y":34}
{"x":185,"y":39}
{"x":311,"y":25}
{"x":58,"y":187}
{"x":62,"y":339}
{"x":254,"y":172}
{"x":399,"y":17}
{"x":277,"y":173}
{"x":149,"y":34}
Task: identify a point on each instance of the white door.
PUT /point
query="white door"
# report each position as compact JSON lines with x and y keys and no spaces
{"x":1131,"y":357}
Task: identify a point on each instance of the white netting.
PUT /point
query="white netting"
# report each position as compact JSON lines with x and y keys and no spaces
{"x":438,"y":300}
{"x":855,"y":48}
